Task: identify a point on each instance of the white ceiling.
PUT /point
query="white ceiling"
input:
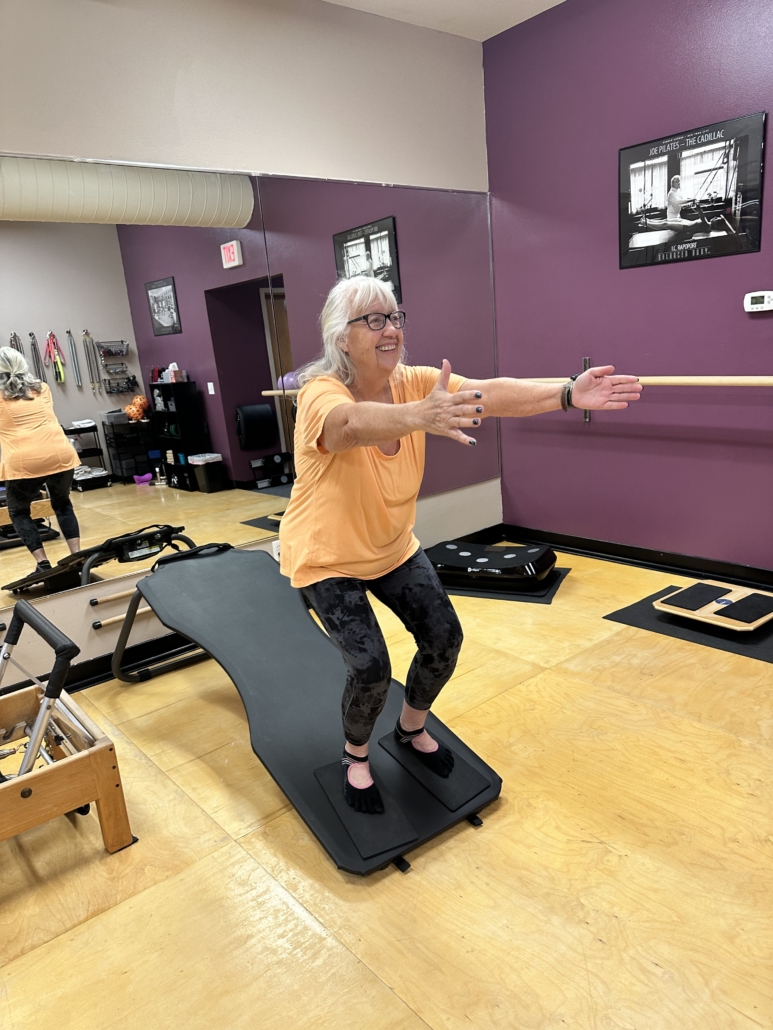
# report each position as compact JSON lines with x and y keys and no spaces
{"x":475,"y":19}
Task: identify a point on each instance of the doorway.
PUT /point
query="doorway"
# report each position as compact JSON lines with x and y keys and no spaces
{"x":280,"y":358}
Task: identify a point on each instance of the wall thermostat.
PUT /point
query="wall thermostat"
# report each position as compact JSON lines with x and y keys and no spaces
{"x":760,"y":301}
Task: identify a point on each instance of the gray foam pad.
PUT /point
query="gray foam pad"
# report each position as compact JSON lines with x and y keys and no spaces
{"x":372,"y":834}
{"x":461,"y":786}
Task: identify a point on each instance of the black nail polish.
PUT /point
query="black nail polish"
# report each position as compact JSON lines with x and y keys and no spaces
{"x":478,"y":393}
{"x":476,"y":421}
{"x":473,"y":442}
{"x":479,"y":409}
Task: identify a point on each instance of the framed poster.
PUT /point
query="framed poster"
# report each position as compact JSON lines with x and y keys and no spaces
{"x":369,"y":250}
{"x":164,"y":313}
{"x":691,"y":196}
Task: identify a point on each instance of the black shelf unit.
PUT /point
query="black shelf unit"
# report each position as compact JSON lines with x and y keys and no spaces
{"x":129,"y":445}
{"x":180,"y":428}
{"x":88,"y":481}
{"x":89,"y":452}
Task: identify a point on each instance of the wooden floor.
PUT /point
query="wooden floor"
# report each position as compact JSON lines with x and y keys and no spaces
{"x":624,"y":880}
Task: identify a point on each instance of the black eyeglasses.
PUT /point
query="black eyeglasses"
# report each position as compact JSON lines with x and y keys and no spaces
{"x":378,"y":319}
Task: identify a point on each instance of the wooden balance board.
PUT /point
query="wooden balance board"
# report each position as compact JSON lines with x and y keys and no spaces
{"x":742,"y":609}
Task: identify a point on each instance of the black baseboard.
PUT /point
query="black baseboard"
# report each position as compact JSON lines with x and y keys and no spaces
{"x":625,"y":554}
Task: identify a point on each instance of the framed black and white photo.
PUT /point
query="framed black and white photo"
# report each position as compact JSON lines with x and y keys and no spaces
{"x":164,"y":313}
{"x":369,"y":250}
{"x":692,"y":196}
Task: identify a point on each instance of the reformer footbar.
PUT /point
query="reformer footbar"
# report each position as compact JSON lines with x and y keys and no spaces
{"x":239,"y":608}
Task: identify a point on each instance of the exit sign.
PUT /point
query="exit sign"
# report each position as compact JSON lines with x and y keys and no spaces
{"x":232,"y":254}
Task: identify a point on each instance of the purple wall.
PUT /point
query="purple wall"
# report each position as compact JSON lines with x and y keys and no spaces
{"x":687,"y":470}
{"x":192,"y":256}
{"x":443,"y":248}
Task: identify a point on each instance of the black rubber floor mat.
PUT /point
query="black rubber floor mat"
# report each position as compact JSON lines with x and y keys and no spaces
{"x":756,"y":644}
{"x":458,"y":789}
{"x":372,"y":834}
{"x":265,"y":522}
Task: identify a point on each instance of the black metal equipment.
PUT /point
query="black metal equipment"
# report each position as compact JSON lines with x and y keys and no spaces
{"x":75,"y":569}
{"x":239,"y":608}
{"x":512,"y":568}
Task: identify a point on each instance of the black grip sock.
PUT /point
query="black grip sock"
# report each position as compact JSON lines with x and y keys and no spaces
{"x":440,"y":762}
{"x":361,"y":799}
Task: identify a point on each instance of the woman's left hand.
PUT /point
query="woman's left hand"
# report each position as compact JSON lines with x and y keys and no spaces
{"x":599,"y":390}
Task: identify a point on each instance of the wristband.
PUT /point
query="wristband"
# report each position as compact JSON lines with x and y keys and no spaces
{"x":566,"y":392}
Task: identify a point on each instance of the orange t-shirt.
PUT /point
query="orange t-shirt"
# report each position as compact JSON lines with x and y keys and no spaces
{"x":352,"y":514}
{"x":31,"y":440}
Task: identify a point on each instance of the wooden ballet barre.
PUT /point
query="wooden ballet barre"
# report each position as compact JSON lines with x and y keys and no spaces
{"x":685,"y":380}
{"x":112,"y":597}
{"x":644,"y":380}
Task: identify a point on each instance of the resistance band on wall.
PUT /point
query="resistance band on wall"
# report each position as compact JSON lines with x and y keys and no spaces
{"x":37,"y":364}
{"x":76,"y":371}
{"x":16,"y":343}
{"x":92,"y":362}
{"x":54,"y":355}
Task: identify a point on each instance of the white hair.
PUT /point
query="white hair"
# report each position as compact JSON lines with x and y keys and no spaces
{"x":16,"y":382}
{"x":347,"y":300}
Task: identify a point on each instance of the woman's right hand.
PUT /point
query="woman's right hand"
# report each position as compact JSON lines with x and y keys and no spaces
{"x":447,"y":414}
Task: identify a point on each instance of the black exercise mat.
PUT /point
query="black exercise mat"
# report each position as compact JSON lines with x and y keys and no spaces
{"x":372,"y":834}
{"x":240,"y":609}
{"x":756,"y":644}
{"x":697,"y":596}
{"x":263,"y":523}
{"x":544,"y":594}
{"x":461,"y":786}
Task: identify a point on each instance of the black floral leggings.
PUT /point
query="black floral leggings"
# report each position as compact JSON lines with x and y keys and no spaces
{"x":416,"y":596}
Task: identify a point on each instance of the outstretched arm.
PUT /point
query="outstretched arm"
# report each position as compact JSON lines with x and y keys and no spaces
{"x":598,"y":389}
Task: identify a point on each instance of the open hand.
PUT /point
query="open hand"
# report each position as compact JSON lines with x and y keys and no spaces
{"x":599,"y":390}
{"x":446,"y":414}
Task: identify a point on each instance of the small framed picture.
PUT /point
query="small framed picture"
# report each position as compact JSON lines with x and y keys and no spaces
{"x":164,"y":313}
{"x":369,"y":250}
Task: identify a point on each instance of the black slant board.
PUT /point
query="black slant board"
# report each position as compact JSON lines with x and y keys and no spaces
{"x":544,"y":594}
{"x":290,"y":675}
{"x":461,"y":786}
{"x":756,"y":644}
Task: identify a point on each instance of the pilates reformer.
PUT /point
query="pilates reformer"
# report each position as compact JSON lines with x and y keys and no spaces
{"x":75,"y":569}
{"x":68,"y":762}
{"x":238,"y":607}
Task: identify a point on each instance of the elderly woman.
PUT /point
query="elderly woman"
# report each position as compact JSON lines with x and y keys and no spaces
{"x":34,"y":451}
{"x":359,"y":451}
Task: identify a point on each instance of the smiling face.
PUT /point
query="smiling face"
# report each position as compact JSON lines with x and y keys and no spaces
{"x":374,"y":352}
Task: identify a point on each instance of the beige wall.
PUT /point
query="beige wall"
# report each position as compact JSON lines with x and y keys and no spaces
{"x":58,"y":277}
{"x":280,"y":86}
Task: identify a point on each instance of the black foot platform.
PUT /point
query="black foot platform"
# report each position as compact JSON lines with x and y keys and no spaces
{"x":242,"y":611}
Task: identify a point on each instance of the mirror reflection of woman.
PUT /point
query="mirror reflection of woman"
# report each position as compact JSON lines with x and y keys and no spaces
{"x":359,"y":448}
{"x":34,"y":452}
